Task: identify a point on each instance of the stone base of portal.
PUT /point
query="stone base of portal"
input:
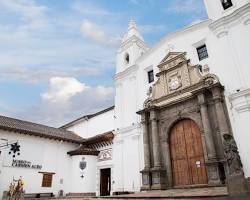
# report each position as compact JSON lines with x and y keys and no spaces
{"x":236,"y":185}
{"x":158,"y":179}
{"x":146,"y":180}
{"x":213,"y":173}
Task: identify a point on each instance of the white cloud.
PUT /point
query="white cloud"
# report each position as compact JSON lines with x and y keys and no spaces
{"x":97,"y":34}
{"x":104,"y":92}
{"x":196,"y":21}
{"x":65,"y":100}
{"x":35,"y":75}
{"x":87,"y":8}
{"x":152,"y":28}
{"x":29,"y":11}
{"x":186,"y":6}
{"x":61,"y":89}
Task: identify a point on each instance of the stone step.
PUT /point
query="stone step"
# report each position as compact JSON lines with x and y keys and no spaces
{"x":246,"y":197}
{"x":191,"y":193}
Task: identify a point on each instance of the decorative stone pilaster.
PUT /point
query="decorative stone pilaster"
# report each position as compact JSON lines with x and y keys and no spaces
{"x":146,"y":178}
{"x":145,"y":141}
{"x":221,"y":118}
{"x":155,"y":139}
{"x":211,"y":162}
{"x":157,"y":172}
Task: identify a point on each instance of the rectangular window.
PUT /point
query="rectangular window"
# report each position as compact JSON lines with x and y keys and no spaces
{"x":47,"y":179}
{"x":202,"y":52}
{"x":150,"y":76}
{"x":226,"y":4}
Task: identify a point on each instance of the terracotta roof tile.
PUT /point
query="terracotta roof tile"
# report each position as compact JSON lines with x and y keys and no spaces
{"x":83,"y":150}
{"x":104,"y":137}
{"x":25,"y":127}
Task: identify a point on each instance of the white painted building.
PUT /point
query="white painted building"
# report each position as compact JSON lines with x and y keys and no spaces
{"x":220,"y":44}
{"x":225,"y":39}
{"x":57,"y":153}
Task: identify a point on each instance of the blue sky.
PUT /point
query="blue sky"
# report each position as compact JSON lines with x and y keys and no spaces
{"x":57,"y":57}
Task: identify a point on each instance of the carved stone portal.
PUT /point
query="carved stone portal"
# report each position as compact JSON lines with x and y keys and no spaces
{"x":183,"y":93}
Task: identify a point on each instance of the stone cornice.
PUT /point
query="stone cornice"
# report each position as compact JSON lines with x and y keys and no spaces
{"x":240,"y":15}
{"x":240,"y":94}
{"x":126,"y":72}
{"x":172,"y":35}
{"x":240,"y":101}
{"x":128,"y":128}
{"x":187,"y":93}
{"x":132,"y":40}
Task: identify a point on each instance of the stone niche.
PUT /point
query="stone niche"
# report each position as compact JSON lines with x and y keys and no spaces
{"x":184,"y":112}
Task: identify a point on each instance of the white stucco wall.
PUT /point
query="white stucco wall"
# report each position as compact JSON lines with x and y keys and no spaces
{"x":215,"y":9}
{"x":51,"y":154}
{"x":99,"y":124}
{"x":128,"y":162}
{"x":87,"y":184}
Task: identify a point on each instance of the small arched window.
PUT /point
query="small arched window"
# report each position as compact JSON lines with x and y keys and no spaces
{"x":127,"y":58}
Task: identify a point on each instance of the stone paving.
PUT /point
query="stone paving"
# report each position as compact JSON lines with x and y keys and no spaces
{"x":211,"y":193}
{"x":195,"y":192}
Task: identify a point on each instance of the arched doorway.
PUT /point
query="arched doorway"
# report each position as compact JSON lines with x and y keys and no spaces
{"x":187,"y":157}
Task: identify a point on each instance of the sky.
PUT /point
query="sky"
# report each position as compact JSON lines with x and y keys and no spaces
{"x":57,"y":57}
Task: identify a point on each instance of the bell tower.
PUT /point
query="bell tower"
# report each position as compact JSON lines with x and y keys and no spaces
{"x":221,"y":8}
{"x":127,"y":128}
{"x":131,"y":49}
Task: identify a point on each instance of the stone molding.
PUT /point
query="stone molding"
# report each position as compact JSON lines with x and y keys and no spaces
{"x":131,"y":41}
{"x":130,"y":70}
{"x":240,"y":101}
{"x":170,"y":36}
{"x":221,"y":26}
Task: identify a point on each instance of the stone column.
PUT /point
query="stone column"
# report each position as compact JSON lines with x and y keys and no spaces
{"x":221,"y":117}
{"x":145,"y":141}
{"x":158,"y":173}
{"x":211,"y":153}
{"x":146,"y":178}
{"x":155,"y":139}
{"x":211,"y":163}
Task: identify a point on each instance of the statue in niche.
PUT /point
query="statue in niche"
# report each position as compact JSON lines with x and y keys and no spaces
{"x":149,"y":92}
{"x":232,"y":155}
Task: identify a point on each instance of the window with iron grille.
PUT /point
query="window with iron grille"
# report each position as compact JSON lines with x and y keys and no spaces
{"x":226,"y":4}
{"x":150,"y":76}
{"x":47,"y":179}
{"x":202,"y":52}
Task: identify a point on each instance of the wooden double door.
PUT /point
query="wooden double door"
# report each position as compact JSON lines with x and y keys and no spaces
{"x":187,"y":157}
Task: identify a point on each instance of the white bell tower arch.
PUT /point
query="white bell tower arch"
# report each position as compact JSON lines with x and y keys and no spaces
{"x":132,"y":47}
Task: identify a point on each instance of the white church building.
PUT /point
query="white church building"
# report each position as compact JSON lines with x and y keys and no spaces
{"x":189,"y":93}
